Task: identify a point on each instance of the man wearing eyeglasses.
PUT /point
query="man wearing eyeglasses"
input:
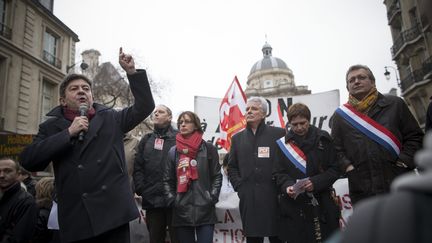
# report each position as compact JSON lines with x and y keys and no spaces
{"x":375,"y":136}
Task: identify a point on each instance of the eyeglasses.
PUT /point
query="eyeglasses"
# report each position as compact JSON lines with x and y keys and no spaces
{"x":185,"y":122}
{"x":359,"y":77}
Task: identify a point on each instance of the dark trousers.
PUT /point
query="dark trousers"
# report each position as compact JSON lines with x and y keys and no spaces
{"x":157,"y":220}
{"x":272,"y":239}
{"x":204,"y":234}
{"x":117,"y":235}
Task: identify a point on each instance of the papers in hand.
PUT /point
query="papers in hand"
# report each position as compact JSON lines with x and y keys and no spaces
{"x":299,"y":187}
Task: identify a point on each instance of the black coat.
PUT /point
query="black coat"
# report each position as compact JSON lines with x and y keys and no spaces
{"x":196,"y":206}
{"x":18,"y":215}
{"x":297,"y":215}
{"x":375,"y":168}
{"x":43,"y":234}
{"x":251,"y":177}
{"x":93,"y":190}
{"x":149,"y":167}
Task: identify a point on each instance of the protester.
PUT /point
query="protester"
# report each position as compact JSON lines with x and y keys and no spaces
{"x":18,"y":210}
{"x":305,"y":171}
{"x":403,"y":215}
{"x":192,"y":182}
{"x":252,"y":155}
{"x":375,"y":136}
{"x":44,"y":193}
{"x":84,"y":140}
{"x":26,"y":178}
{"x":149,"y":165}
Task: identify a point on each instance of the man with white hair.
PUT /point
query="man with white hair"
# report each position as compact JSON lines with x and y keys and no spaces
{"x":250,"y":172}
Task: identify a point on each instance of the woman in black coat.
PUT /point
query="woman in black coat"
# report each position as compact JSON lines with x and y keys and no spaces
{"x":44,"y":191}
{"x":306,"y":155}
{"x":192,"y":182}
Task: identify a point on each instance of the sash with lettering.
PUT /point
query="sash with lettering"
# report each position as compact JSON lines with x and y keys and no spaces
{"x":293,"y":153}
{"x":371,"y":129}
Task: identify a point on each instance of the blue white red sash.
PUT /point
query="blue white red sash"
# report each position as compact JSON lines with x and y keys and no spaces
{"x":370,"y":128}
{"x":294,"y":154}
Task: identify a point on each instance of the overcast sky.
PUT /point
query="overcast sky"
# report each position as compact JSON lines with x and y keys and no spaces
{"x":196,"y":47}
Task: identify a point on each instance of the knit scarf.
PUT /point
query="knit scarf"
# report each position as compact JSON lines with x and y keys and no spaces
{"x":366,"y":103}
{"x":71,"y":114}
{"x":187,"y":166}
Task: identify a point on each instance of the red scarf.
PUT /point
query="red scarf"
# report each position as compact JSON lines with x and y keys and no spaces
{"x":71,"y":114}
{"x":187,"y":165}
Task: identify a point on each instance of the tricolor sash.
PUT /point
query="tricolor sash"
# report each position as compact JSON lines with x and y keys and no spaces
{"x":293,"y":153}
{"x":370,"y":128}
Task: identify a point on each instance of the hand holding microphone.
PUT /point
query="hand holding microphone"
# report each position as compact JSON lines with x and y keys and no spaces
{"x":83,"y":112}
{"x":80,"y":124}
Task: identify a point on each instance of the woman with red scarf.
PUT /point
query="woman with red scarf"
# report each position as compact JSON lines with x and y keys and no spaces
{"x":192,"y":182}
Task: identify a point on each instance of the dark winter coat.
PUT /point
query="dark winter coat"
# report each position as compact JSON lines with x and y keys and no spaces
{"x":374,"y":166}
{"x":428,"y":125}
{"x":30,"y":185}
{"x":149,"y":167}
{"x":297,"y":215}
{"x":196,"y":206}
{"x":18,"y":215}
{"x":43,"y":234}
{"x":93,"y":190}
{"x":251,"y":177}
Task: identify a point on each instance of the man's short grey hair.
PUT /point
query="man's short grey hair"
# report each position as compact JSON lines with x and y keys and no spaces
{"x":167,"y":109}
{"x":360,"y":66}
{"x":261,"y":100}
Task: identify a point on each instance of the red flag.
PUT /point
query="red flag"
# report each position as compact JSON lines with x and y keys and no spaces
{"x":280,"y":117}
{"x":231,"y":114}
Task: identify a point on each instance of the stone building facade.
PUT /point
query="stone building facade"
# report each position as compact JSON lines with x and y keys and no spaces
{"x":410,"y":23}
{"x":36,"y":50}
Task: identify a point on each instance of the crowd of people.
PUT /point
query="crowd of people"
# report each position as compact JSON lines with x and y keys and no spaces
{"x":283,"y":177}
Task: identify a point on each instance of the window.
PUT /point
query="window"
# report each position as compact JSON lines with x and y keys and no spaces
{"x":48,"y":4}
{"x":413,"y":17}
{"x":50,"y":49}
{"x":3,"y":11}
{"x":268,"y":84}
{"x":5,"y":31}
{"x":419,"y":108}
{"x":48,"y":98}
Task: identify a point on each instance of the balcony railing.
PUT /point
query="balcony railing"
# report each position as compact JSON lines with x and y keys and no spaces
{"x":393,"y":10}
{"x":53,"y":60}
{"x":404,"y":37}
{"x":417,"y":75}
{"x":5,"y":31}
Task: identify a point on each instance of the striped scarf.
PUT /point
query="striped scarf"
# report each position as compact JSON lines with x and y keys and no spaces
{"x":366,"y":103}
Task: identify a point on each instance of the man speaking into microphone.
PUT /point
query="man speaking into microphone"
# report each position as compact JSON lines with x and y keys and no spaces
{"x":84,"y":141}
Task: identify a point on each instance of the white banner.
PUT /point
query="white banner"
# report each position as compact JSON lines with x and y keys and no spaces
{"x":322,"y":106}
{"x":229,"y":228}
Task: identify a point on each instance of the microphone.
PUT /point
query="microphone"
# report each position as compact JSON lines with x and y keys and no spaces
{"x":83,"y":112}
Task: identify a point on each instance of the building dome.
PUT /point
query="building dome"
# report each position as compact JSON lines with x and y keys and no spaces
{"x":268,"y":61}
{"x":271,"y":77}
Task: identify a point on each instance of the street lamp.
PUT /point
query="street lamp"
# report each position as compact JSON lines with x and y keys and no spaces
{"x":387,"y":74}
{"x":83,"y":66}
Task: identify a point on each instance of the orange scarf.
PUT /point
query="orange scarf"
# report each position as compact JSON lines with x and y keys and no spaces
{"x":366,"y":103}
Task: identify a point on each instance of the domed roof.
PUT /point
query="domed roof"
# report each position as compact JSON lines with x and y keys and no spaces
{"x":268,"y":62}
